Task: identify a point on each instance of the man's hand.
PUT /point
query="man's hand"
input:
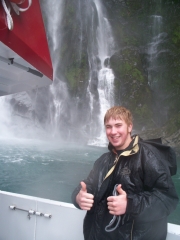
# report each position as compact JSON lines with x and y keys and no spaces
{"x":84,"y":199}
{"x":117,"y":204}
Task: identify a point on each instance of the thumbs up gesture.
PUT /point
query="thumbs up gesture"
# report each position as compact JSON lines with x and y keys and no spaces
{"x":84,"y":199}
{"x":117,"y":204}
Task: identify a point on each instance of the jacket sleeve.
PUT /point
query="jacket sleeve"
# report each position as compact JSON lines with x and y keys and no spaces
{"x":158,"y":197}
{"x":90,"y":184}
{"x":95,"y":177}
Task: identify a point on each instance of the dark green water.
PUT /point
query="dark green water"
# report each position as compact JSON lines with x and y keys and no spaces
{"x":51,"y":170}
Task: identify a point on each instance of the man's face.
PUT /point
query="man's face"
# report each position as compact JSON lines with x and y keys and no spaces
{"x":118,"y":133}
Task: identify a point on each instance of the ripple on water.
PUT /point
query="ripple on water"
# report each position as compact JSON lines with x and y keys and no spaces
{"x":17,"y":160}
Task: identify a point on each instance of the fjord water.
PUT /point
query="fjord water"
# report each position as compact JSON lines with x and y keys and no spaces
{"x":43,"y":169}
{"x":51,"y":170}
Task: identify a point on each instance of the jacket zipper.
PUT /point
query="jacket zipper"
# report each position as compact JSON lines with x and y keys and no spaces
{"x":132,"y":230}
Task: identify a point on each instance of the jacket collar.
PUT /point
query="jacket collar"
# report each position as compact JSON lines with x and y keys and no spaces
{"x":135,"y":140}
{"x":127,"y":152}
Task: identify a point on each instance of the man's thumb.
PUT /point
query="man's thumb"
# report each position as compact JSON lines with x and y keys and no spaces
{"x":120,"y":190}
{"x":83,"y":187}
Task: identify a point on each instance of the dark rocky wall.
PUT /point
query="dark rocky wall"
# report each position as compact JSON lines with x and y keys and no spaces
{"x":157,"y":106}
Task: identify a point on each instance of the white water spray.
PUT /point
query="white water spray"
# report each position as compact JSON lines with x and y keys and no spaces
{"x":5,"y":120}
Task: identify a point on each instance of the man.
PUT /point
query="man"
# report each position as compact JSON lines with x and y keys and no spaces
{"x":129,"y":192}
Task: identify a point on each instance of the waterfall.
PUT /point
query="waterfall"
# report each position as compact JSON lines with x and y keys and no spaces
{"x":58,"y":92}
{"x":105,"y":77}
{"x":154,"y":50}
{"x":57,"y":108}
{"x":156,"y":67}
{"x":64,"y":112}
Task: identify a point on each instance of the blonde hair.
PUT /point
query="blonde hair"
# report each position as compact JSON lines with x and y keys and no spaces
{"x":119,"y":112}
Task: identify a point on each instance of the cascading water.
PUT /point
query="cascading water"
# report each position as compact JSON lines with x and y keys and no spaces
{"x":57,"y":107}
{"x":154,"y":50}
{"x":105,"y":77}
{"x":59,"y":97}
{"x":64,"y":113}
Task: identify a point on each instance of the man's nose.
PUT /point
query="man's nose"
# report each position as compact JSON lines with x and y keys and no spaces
{"x":113,"y":130}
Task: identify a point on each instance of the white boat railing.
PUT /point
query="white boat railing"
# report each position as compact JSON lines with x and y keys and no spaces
{"x":32,"y":218}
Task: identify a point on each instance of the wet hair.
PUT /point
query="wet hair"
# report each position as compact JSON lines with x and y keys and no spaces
{"x":119,"y":112}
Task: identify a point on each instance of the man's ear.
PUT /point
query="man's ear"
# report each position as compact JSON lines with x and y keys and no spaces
{"x":130,"y":127}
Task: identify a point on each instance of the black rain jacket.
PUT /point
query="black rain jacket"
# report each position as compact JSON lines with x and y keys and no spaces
{"x":145,"y":175}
